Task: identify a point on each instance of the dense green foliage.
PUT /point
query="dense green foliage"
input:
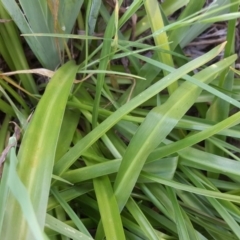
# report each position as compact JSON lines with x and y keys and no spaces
{"x":119,"y":120}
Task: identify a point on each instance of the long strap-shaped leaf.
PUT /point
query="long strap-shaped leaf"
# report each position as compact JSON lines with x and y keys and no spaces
{"x":68,"y":159}
{"x":156,"y":126}
{"x":37,"y":153}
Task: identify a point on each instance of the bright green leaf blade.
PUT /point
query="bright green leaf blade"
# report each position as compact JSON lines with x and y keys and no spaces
{"x":157,"y":125}
{"x":70,"y":212}
{"x":37,"y":152}
{"x":141,"y":219}
{"x":69,"y":158}
{"x":204,"y":192}
{"x":19,"y":192}
{"x":181,"y":223}
{"x":64,"y":229}
{"x":108,"y":208}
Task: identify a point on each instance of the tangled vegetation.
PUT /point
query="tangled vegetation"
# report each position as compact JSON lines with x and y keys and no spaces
{"x":119,"y":120}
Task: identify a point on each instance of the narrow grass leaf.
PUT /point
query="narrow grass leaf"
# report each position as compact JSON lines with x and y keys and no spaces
{"x":219,"y":109}
{"x":202,"y":85}
{"x":141,"y":219}
{"x":4,"y":188}
{"x":65,"y":229}
{"x":93,"y":171}
{"x":218,"y":164}
{"x":178,"y":34}
{"x":129,"y":12}
{"x":171,"y":6}
{"x":20,"y":193}
{"x":204,"y":192}
{"x":71,"y":156}
{"x":93,"y":15}
{"x":156,"y":22}
{"x":39,"y":16}
{"x":67,"y":131}
{"x":181,"y":223}
{"x":164,"y":168}
{"x":13,"y":44}
{"x":156,"y":126}
{"x":222,"y":210}
{"x":222,"y":17}
{"x":108,"y":208}
{"x":61,"y":179}
{"x":112,"y":72}
{"x":22,"y":119}
{"x":69,"y":194}
{"x":198,"y":137}
{"x":70,"y":212}
{"x":37,"y":152}
{"x":106,"y":54}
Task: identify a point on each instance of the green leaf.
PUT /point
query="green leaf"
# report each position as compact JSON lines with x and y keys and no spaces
{"x":70,"y":157}
{"x":41,"y":17}
{"x":12,"y":186}
{"x":65,"y":229}
{"x":156,"y":126}
{"x":37,"y":152}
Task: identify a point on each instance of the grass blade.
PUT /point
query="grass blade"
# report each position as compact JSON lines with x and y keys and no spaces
{"x":71,"y":156}
{"x":157,"y":125}
{"x":37,"y":152}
